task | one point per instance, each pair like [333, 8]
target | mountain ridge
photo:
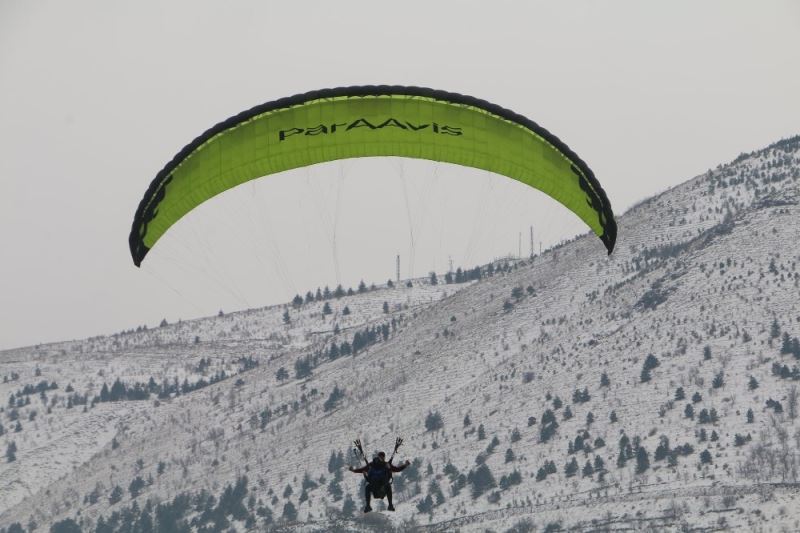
[695, 267]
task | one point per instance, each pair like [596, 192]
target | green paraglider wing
[368, 121]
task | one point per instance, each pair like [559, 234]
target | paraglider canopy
[350, 122]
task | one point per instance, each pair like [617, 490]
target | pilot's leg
[389, 496]
[368, 496]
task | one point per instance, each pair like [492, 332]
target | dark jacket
[378, 463]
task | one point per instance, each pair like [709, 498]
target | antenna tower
[532, 250]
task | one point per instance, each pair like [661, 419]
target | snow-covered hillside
[653, 389]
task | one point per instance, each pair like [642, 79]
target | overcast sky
[95, 97]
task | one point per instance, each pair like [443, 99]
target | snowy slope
[704, 279]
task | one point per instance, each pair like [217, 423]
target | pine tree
[493, 444]
[345, 348]
[775, 330]
[514, 478]
[571, 468]
[348, 507]
[434, 422]
[333, 351]
[71, 526]
[286, 318]
[705, 457]
[116, 495]
[333, 399]
[541, 474]
[333, 465]
[302, 367]
[662, 450]
[481, 480]
[289, 512]
[679, 394]
[11, 452]
[621, 458]
[136, 486]
[599, 464]
[650, 362]
[549, 425]
[425, 505]
[588, 469]
[786, 344]
[642, 460]
[752, 384]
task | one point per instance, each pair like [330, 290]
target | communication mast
[532, 250]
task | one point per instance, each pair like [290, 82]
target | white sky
[95, 97]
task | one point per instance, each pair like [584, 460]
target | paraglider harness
[378, 478]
